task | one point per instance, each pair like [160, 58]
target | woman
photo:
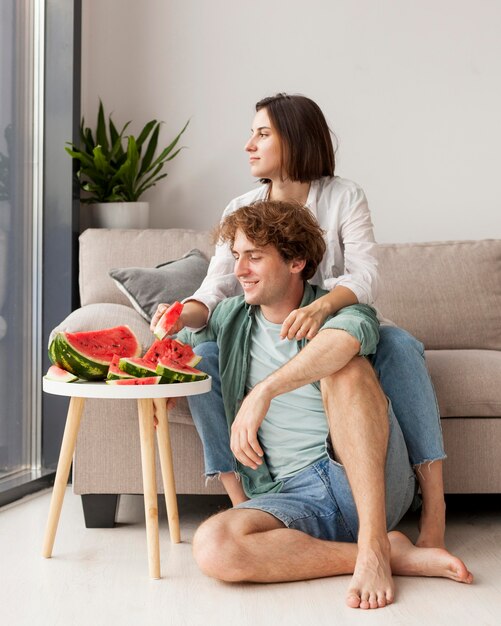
[291, 152]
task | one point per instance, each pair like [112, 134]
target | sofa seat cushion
[466, 382]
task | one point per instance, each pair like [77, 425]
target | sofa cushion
[146, 287]
[102, 249]
[466, 382]
[447, 294]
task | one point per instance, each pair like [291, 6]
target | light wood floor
[100, 577]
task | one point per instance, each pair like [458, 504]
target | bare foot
[432, 528]
[372, 585]
[409, 560]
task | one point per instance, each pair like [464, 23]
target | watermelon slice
[137, 368]
[88, 354]
[173, 350]
[149, 380]
[58, 374]
[167, 321]
[114, 372]
[172, 372]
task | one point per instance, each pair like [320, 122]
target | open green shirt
[230, 326]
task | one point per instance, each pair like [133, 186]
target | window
[21, 76]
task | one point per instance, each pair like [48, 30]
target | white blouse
[341, 209]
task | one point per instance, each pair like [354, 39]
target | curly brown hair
[290, 227]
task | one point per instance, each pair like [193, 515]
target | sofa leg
[100, 509]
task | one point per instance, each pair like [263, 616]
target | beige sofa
[448, 294]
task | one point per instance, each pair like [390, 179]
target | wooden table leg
[165, 453]
[63, 469]
[146, 433]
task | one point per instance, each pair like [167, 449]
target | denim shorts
[318, 500]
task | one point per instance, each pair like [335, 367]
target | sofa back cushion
[104, 249]
[447, 294]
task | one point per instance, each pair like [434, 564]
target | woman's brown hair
[288, 226]
[307, 148]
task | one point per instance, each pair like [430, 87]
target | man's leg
[401, 367]
[358, 419]
[253, 546]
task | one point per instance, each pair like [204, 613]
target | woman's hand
[305, 322]
[243, 440]
[161, 308]
[194, 315]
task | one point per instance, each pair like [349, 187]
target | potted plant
[116, 169]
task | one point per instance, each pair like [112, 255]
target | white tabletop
[85, 389]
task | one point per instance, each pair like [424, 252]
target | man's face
[264, 275]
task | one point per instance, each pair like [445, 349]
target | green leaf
[101, 136]
[150, 151]
[145, 132]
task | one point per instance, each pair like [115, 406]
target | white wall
[412, 90]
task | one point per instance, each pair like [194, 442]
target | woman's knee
[207, 349]
[394, 341]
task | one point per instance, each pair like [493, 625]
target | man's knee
[217, 551]
[351, 378]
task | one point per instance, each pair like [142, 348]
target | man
[317, 507]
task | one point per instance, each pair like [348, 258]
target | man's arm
[354, 331]
[326, 354]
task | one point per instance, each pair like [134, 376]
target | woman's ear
[297, 265]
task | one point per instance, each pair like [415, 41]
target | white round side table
[151, 400]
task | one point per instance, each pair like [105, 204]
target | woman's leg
[209, 417]
[399, 362]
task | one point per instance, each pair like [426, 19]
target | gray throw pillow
[175, 280]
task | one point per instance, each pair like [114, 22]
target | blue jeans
[400, 365]
[318, 500]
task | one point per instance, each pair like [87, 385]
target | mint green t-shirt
[295, 428]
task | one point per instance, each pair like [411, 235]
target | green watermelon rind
[131, 380]
[172, 374]
[128, 366]
[62, 354]
[62, 376]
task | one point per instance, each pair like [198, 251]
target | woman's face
[264, 148]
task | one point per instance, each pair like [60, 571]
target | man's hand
[244, 442]
[305, 322]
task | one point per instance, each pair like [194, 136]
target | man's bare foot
[432, 527]
[372, 585]
[409, 560]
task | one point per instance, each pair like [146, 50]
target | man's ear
[297, 265]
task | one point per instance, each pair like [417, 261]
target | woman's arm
[354, 234]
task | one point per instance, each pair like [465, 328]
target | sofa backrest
[103, 249]
[447, 294]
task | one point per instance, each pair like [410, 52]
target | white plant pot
[115, 215]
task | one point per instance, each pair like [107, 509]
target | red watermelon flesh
[167, 321]
[102, 345]
[114, 371]
[150, 380]
[171, 349]
[59, 375]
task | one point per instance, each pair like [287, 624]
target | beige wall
[412, 90]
